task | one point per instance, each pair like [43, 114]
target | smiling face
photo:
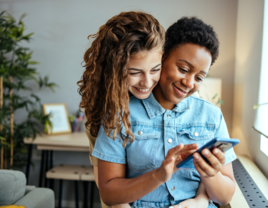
[144, 70]
[183, 71]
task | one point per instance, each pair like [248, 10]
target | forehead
[195, 54]
[145, 59]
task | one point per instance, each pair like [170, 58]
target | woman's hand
[174, 156]
[216, 159]
[192, 203]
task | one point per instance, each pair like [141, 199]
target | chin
[142, 97]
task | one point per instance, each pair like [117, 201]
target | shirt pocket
[196, 134]
[141, 153]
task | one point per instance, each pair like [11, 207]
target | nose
[146, 81]
[188, 82]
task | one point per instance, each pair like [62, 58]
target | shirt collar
[153, 108]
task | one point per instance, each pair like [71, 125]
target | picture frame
[59, 118]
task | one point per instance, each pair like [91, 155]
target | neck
[161, 98]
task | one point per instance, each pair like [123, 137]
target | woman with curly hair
[141, 170]
[123, 60]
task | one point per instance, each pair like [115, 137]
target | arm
[218, 179]
[115, 188]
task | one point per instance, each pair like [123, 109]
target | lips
[142, 90]
[180, 91]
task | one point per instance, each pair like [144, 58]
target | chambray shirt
[157, 130]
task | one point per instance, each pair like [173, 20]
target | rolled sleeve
[108, 149]
[222, 131]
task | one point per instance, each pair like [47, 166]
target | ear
[164, 57]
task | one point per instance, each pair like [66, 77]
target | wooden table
[48, 143]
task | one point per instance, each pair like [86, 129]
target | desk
[48, 143]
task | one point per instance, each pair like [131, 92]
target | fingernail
[196, 156]
[216, 151]
[205, 152]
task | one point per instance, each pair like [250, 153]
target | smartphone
[223, 144]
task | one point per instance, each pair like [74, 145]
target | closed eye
[135, 73]
[199, 79]
[156, 70]
[183, 70]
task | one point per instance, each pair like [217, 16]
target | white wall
[61, 28]
[247, 77]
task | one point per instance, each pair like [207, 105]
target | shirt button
[169, 140]
[139, 132]
[168, 115]
[196, 134]
[173, 188]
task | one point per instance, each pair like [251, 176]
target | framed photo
[59, 118]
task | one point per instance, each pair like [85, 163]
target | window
[262, 114]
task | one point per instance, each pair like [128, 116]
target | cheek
[196, 86]
[156, 77]
[132, 81]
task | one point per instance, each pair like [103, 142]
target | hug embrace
[143, 117]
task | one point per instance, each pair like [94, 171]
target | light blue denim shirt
[157, 130]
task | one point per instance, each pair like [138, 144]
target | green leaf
[2, 138]
[214, 96]
[33, 62]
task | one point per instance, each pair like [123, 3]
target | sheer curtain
[261, 122]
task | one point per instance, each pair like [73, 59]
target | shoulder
[205, 105]
[204, 110]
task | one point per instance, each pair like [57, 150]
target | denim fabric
[156, 130]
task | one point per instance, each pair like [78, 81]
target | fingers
[188, 147]
[175, 150]
[216, 160]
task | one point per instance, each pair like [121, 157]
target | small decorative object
[58, 118]
[77, 122]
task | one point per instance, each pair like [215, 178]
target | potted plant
[15, 71]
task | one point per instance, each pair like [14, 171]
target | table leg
[41, 169]
[51, 181]
[29, 159]
[92, 194]
[47, 163]
[85, 185]
[60, 193]
[76, 194]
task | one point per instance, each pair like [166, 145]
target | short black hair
[192, 30]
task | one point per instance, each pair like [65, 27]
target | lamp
[261, 121]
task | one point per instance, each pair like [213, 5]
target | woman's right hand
[174, 156]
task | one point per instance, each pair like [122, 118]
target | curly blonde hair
[103, 86]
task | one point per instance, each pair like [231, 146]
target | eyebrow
[141, 69]
[192, 65]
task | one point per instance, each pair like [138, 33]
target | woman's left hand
[216, 159]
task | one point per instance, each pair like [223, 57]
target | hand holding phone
[223, 144]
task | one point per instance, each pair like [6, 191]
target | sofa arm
[38, 198]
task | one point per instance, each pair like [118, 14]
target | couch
[13, 191]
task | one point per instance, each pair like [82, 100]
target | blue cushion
[12, 186]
